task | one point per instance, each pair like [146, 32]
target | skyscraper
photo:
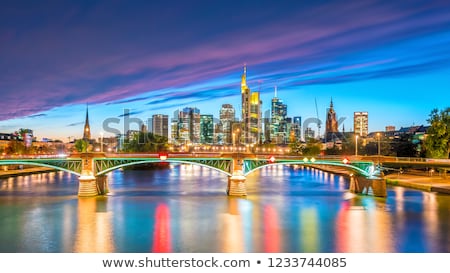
[227, 117]
[87, 128]
[361, 123]
[206, 129]
[278, 130]
[255, 118]
[251, 112]
[160, 125]
[189, 125]
[297, 127]
[245, 96]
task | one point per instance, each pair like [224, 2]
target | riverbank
[435, 183]
[26, 171]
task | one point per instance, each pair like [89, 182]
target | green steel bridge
[92, 167]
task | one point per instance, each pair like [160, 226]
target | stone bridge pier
[236, 182]
[89, 184]
[362, 185]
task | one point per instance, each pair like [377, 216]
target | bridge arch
[39, 164]
[115, 167]
[300, 162]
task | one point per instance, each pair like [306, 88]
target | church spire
[244, 79]
[87, 129]
[331, 103]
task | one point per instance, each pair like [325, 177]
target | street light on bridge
[356, 145]
[101, 141]
[378, 136]
[163, 156]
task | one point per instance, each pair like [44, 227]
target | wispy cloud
[94, 57]
[75, 124]
[37, 115]
[129, 113]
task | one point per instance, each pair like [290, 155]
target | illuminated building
[87, 129]
[309, 133]
[227, 117]
[206, 129]
[160, 125]
[331, 128]
[361, 123]
[390, 128]
[188, 125]
[297, 127]
[278, 126]
[251, 112]
[255, 118]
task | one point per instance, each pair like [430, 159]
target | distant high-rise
[206, 129]
[245, 99]
[255, 118]
[227, 117]
[160, 125]
[309, 133]
[189, 125]
[297, 127]
[278, 127]
[390, 128]
[87, 128]
[251, 112]
[361, 123]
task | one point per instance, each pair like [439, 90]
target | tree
[437, 141]
[312, 147]
[146, 142]
[15, 147]
[81, 145]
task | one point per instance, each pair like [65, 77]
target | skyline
[389, 59]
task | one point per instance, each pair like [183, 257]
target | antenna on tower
[318, 120]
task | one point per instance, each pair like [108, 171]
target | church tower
[87, 129]
[331, 123]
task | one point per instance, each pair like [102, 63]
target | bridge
[91, 168]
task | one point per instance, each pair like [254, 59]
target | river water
[184, 208]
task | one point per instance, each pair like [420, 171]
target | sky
[389, 58]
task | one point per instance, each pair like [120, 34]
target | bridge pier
[102, 184]
[360, 184]
[236, 185]
[87, 186]
[90, 185]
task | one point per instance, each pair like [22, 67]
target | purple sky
[390, 58]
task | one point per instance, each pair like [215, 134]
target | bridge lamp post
[101, 142]
[356, 145]
[379, 136]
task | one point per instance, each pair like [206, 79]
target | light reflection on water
[184, 208]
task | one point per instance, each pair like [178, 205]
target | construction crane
[318, 120]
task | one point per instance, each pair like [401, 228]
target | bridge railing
[33, 156]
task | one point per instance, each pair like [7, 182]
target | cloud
[37, 115]
[128, 113]
[75, 124]
[85, 54]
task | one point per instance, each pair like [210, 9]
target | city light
[163, 156]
